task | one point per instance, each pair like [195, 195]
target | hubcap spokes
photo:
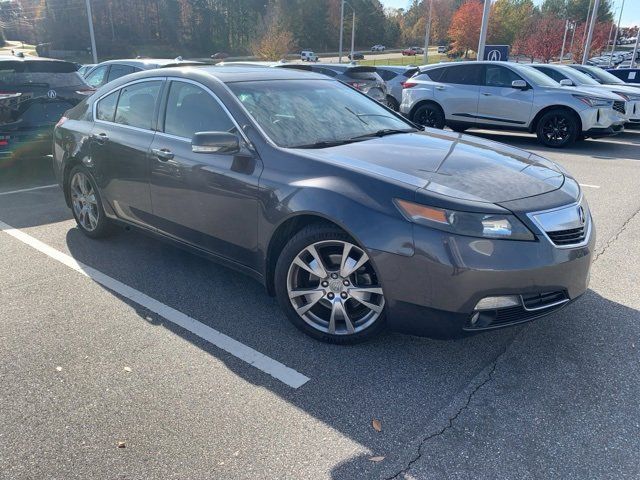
[83, 199]
[556, 130]
[333, 287]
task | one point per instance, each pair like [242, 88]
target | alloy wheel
[429, 117]
[84, 201]
[556, 130]
[333, 287]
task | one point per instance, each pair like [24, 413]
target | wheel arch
[422, 103]
[534, 124]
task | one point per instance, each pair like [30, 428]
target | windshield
[296, 113]
[535, 77]
[49, 73]
[602, 76]
[578, 77]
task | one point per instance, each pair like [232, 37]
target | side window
[499, 76]
[387, 74]
[118, 71]
[137, 104]
[191, 109]
[435, 74]
[463, 74]
[106, 108]
[96, 78]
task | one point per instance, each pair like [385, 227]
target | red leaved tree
[464, 30]
[599, 40]
[544, 41]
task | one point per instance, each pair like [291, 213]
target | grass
[404, 60]
[18, 47]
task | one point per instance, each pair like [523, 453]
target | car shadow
[22, 173]
[625, 145]
[405, 382]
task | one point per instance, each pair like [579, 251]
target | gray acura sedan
[350, 214]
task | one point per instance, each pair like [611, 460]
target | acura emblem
[581, 215]
[52, 94]
[494, 56]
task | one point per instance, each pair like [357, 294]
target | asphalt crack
[451, 420]
[614, 238]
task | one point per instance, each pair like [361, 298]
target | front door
[120, 141]
[206, 199]
[502, 104]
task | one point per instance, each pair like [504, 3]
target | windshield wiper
[327, 143]
[384, 132]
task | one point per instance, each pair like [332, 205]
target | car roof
[29, 58]
[247, 73]
[146, 63]
[396, 68]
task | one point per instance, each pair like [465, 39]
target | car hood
[590, 90]
[597, 89]
[451, 164]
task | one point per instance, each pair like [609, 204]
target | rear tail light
[61, 121]
[4, 140]
[86, 91]
[408, 84]
[358, 85]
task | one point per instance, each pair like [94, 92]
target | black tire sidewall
[573, 128]
[104, 227]
[436, 109]
[304, 238]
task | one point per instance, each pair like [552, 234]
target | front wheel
[429, 115]
[557, 128]
[86, 204]
[328, 287]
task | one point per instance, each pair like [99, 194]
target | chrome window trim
[215, 97]
[587, 224]
[94, 107]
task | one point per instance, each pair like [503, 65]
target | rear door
[457, 92]
[98, 76]
[122, 134]
[206, 199]
[500, 103]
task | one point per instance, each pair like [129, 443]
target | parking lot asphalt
[94, 384]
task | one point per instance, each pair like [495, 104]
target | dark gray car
[340, 207]
[102, 73]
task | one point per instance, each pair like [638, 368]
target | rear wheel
[392, 103]
[557, 128]
[86, 204]
[328, 287]
[429, 115]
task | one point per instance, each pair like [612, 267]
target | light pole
[91, 34]
[615, 37]
[483, 29]
[427, 32]
[635, 49]
[353, 27]
[564, 40]
[587, 45]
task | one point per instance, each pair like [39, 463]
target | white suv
[508, 96]
[308, 56]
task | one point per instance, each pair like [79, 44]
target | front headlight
[594, 101]
[629, 97]
[485, 225]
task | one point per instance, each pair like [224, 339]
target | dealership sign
[496, 53]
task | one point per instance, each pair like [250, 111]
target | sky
[630, 15]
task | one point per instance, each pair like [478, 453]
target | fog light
[492, 303]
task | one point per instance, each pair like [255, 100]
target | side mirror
[215, 142]
[565, 82]
[521, 84]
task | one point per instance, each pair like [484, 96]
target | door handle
[100, 138]
[439, 87]
[486, 94]
[163, 154]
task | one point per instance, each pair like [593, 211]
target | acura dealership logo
[494, 56]
[52, 94]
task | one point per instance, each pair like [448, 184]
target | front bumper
[598, 132]
[435, 292]
[603, 120]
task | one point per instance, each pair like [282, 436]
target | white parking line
[239, 350]
[28, 189]
[589, 186]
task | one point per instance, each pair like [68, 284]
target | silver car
[629, 102]
[394, 77]
[508, 96]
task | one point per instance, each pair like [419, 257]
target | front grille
[533, 306]
[619, 106]
[567, 237]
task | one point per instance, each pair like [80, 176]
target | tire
[353, 299]
[392, 103]
[86, 204]
[557, 128]
[429, 115]
[458, 128]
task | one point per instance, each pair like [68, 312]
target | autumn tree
[599, 41]
[545, 40]
[508, 19]
[464, 30]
